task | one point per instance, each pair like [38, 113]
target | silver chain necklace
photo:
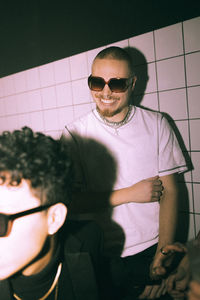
[116, 125]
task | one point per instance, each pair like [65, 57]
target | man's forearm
[168, 211]
[144, 191]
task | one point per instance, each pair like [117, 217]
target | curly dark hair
[41, 160]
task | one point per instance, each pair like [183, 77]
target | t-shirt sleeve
[71, 134]
[68, 129]
[171, 159]
[78, 128]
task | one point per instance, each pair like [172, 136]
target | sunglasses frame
[109, 82]
[9, 218]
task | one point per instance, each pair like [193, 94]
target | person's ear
[56, 217]
[134, 81]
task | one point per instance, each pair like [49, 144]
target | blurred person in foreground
[42, 255]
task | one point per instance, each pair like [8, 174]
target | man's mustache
[100, 96]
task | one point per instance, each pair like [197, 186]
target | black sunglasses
[7, 220]
[116, 85]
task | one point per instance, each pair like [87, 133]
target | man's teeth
[107, 101]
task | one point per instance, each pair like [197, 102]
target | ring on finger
[163, 251]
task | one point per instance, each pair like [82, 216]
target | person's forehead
[16, 198]
[108, 67]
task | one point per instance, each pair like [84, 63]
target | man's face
[112, 105]
[28, 233]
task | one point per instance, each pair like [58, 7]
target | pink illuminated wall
[50, 96]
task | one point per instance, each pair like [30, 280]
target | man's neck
[41, 261]
[118, 117]
[111, 122]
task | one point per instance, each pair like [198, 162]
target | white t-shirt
[144, 147]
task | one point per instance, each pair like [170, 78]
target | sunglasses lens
[118, 85]
[96, 83]
[3, 225]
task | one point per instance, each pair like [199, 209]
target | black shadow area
[95, 171]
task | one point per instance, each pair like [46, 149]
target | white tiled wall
[49, 96]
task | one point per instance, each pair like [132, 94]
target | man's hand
[163, 260]
[144, 191]
[158, 269]
[147, 190]
[177, 282]
[153, 291]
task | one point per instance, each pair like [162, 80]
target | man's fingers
[146, 293]
[156, 196]
[176, 247]
[170, 282]
[157, 182]
[153, 291]
[157, 187]
[154, 187]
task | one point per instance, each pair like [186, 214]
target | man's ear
[134, 81]
[56, 217]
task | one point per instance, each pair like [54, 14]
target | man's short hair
[41, 160]
[117, 53]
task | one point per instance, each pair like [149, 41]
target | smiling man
[148, 158]
[118, 82]
[42, 256]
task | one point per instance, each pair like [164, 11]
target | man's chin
[107, 113]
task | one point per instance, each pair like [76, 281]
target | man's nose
[106, 92]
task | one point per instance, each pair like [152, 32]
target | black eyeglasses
[7, 220]
[116, 85]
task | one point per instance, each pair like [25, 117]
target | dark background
[36, 32]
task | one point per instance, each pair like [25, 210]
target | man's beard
[109, 113]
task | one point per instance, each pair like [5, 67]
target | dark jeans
[129, 275]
